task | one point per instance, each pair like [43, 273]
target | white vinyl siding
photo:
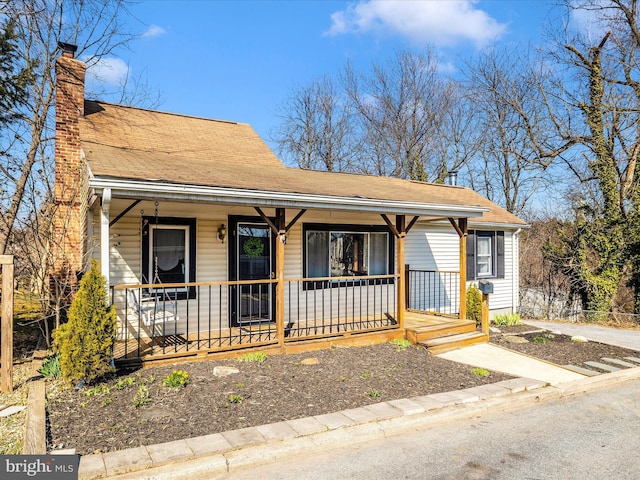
[437, 247]
[428, 246]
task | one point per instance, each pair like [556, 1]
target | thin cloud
[591, 22]
[442, 23]
[154, 31]
[111, 71]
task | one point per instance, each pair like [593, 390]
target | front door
[251, 259]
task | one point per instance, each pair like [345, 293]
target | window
[168, 253]
[347, 251]
[485, 254]
[484, 258]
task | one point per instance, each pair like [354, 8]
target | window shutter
[500, 254]
[471, 255]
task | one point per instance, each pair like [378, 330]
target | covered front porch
[156, 326]
[267, 294]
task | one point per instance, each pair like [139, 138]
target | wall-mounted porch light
[222, 232]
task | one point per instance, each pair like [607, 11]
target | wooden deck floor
[414, 319]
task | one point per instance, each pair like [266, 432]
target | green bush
[85, 343]
[474, 304]
[176, 379]
[51, 367]
[142, 397]
[253, 357]
[401, 344]
[507, 319]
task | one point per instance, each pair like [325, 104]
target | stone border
[226, 452]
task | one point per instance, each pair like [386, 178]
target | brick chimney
[71, 187]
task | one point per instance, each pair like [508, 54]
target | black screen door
[252, 257]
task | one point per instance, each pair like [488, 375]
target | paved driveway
[611, 336]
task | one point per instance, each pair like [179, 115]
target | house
[211, 245]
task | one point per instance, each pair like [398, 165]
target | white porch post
[104, 234]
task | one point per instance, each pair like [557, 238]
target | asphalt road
[589, 436]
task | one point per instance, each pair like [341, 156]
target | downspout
[104, 234]
[515, 282]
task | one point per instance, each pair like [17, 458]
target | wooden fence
[6, 343]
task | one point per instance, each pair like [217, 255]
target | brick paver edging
[224, 452]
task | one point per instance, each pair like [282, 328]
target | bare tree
[458, 137]
[316, 130]
[402, 107]
[519, 143]
[600, 88]
[15, 76]
[97, 28]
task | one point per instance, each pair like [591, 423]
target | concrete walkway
[498, 359]
[611, 336]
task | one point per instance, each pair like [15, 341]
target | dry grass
[25, 340]
[12, 428]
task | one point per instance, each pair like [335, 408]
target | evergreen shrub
[85, 343]
[474, 304]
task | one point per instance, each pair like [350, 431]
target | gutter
[515, 283]
[183, 192]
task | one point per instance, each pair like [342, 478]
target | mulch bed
[556, 348]
[280, 388]
[277, 389]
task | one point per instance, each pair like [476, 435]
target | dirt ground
[280, 388]
[135, 408]
[558, 349]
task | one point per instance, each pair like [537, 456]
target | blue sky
[238, 60]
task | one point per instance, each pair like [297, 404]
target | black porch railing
[433, 291]
[160, 320]
[330, 305]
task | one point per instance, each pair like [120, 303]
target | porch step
[451, 342]
[429, 332]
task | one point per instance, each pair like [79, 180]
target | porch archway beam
[399, 231]
[278, 229]
[268, 221]
[411, 224]
[457, 228]
[123, 213]
[391, 226]
[461, 227]
[104, 233]
[295, 219]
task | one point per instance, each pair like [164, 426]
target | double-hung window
[168, 254]
[347, 251]
[485, 254]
